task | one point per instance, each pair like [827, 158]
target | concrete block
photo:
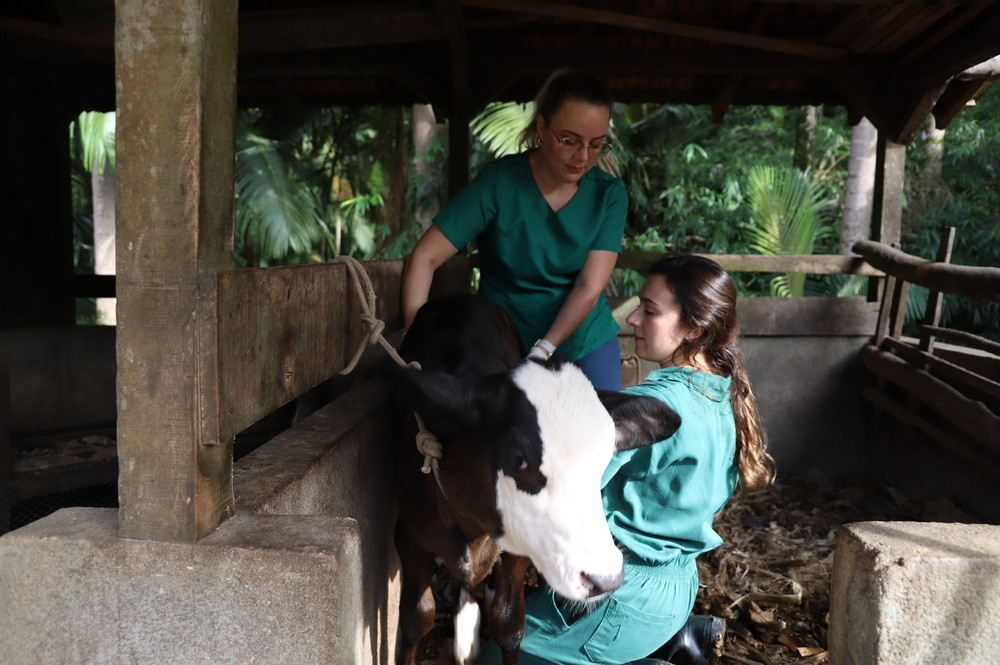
[262, 589]
[912, 593]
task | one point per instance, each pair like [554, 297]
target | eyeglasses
[570, 147]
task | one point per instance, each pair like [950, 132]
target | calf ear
[443, 400]
[639, 420]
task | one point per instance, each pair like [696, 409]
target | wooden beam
[942, 34]
[283, 331]
[298, 30]
[813, 264]
[956, 97]
[657, 63]
[460, 115]
[661, 26]
[968, 416]
[956, 373]
[176, 81]
[807, 317]
[932, 314]
[966, 338]
[957, 445]
[887, 209]
[976, 283]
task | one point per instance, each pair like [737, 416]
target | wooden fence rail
[952, 400]
[975, 283]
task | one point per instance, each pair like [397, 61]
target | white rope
[427, 443]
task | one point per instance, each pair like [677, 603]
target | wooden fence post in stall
[176, 80]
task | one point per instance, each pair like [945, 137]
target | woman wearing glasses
[549, 228]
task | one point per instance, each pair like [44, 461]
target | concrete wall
[809, 394]
[906, 593]
[304, 574]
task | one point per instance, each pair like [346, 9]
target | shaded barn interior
[203, 352]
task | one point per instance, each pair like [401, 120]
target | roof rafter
[660, 26]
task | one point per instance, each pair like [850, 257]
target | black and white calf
[524, 448]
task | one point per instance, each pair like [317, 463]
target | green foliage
[785, 210]
[312, 189]
[500, 124]
[96, 132]
[969, 200]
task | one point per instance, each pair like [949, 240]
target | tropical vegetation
[346, 181]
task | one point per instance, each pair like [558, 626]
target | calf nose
[601, 584]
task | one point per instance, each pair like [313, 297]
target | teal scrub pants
[638, 618]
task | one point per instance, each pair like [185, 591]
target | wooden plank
[176, 83]
[975, 283]
[953, 444]
[805, 317]
[887, 210]
[921, 358]
[932, 313]
[661, 26]
[882, 326]
[813, 264]
[967, 338]
[970, 417]
[282, 331]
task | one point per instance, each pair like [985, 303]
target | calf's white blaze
[562, 528]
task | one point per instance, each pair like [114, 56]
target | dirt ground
[770, 579]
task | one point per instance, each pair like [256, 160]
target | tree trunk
[858, 197]
[102, 182]
[933, 150]
[805, 138]
[425, 131]
[391, 214]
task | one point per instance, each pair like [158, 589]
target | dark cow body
[489, 429]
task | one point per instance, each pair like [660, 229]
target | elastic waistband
[679, 567]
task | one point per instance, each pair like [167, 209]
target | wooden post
[887, 212]
[932, 315]
[176, 81]
[887, 204]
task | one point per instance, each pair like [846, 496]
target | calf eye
[518, 463]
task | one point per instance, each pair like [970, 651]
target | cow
[524, 445]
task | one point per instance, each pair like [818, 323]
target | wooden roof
[893, 62]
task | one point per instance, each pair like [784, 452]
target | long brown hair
[706, 297]
[562, 85]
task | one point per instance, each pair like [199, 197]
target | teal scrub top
[660, 500]
[529, 255]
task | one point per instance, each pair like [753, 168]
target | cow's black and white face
[544, 436]
[549, 500]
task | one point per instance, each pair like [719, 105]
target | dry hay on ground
[770, 579]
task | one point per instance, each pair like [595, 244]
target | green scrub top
[529, 255]
[660, 500]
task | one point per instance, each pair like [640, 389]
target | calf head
[536, 441]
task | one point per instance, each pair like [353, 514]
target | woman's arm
[589, 284]
[432, 250]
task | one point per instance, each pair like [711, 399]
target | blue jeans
[603, 365]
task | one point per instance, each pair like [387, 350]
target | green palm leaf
[97, 137]
[276, 212]
[785, 219]
[500, 124]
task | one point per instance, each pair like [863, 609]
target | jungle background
[365, 182]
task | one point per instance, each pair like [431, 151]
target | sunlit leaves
[785, 219]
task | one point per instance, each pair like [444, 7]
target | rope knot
[375, 325]
[430, 448]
